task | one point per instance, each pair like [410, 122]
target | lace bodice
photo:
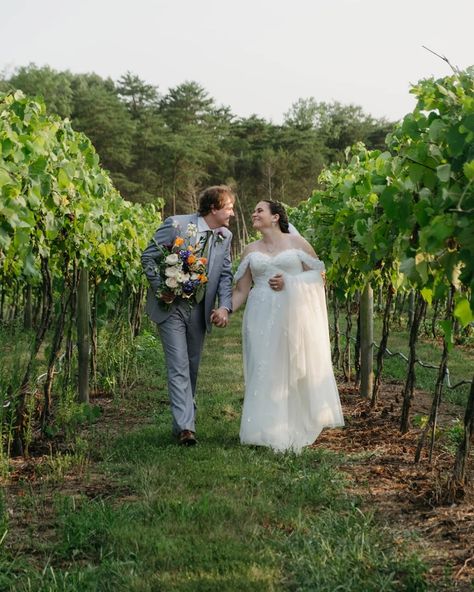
[264, 266]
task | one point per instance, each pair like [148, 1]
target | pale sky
[255, 56]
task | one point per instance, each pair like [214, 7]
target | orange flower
[178, 241]
[202, 278]
[203, 260]
[191, 259]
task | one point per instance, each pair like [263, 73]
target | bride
[290, 390]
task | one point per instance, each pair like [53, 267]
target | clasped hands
[220, 317]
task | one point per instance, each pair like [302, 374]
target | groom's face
[223, 215]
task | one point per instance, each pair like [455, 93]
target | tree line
[164, 148]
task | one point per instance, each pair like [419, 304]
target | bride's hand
[220, 317]
[277, 282]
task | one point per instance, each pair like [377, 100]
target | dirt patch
[406, 495]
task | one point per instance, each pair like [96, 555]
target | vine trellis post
[458, 478]
[83, 335]
[366, 341]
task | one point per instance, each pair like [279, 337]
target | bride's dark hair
[277, 208]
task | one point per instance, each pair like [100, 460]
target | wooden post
[83, 337]
[366, 341]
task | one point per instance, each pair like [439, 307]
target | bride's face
[262, 216]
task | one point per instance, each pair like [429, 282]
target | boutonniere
[219, 237]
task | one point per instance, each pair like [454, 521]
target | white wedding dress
[290, 390]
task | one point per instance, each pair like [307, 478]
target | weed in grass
[15, 347]
[3, 517]
[29, 501]
[71, 415]
[122, 358]
[4, 451]
[452, 435]
[58, 465]
[148, 348]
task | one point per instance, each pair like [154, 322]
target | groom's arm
[220, 316]
[165, 235]
[224, 289]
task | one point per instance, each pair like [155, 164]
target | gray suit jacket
[219, 282]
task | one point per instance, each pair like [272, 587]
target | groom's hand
[220, 317]
[277, 282]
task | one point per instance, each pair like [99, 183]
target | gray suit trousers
[182, 335]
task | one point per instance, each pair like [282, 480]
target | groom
[182, 326]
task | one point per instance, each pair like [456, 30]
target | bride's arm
[300, 243]
[277, 282]
[313, 268]
[242, 289]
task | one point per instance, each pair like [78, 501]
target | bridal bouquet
[182, 272]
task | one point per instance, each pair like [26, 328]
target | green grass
[460, 363]
[219, 516]
[429, 350]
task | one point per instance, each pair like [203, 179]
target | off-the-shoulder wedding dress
[290, 390]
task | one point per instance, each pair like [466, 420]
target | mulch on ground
[408, 496]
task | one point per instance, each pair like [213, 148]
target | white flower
[171, 282]
[191, 230]
[172, 271]
[175, 224]
[172, 259]
[182, 277]
[194, 276]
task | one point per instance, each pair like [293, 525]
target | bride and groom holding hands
[290, 390]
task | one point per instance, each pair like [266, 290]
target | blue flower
[188, 287]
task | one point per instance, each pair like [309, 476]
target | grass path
[216, 517]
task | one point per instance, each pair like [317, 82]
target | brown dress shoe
[187, 438]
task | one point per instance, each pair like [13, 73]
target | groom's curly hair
[277, 208]
[214, 197]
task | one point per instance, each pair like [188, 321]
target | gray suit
[182, 328]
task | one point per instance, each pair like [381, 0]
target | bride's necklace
[270, 248]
